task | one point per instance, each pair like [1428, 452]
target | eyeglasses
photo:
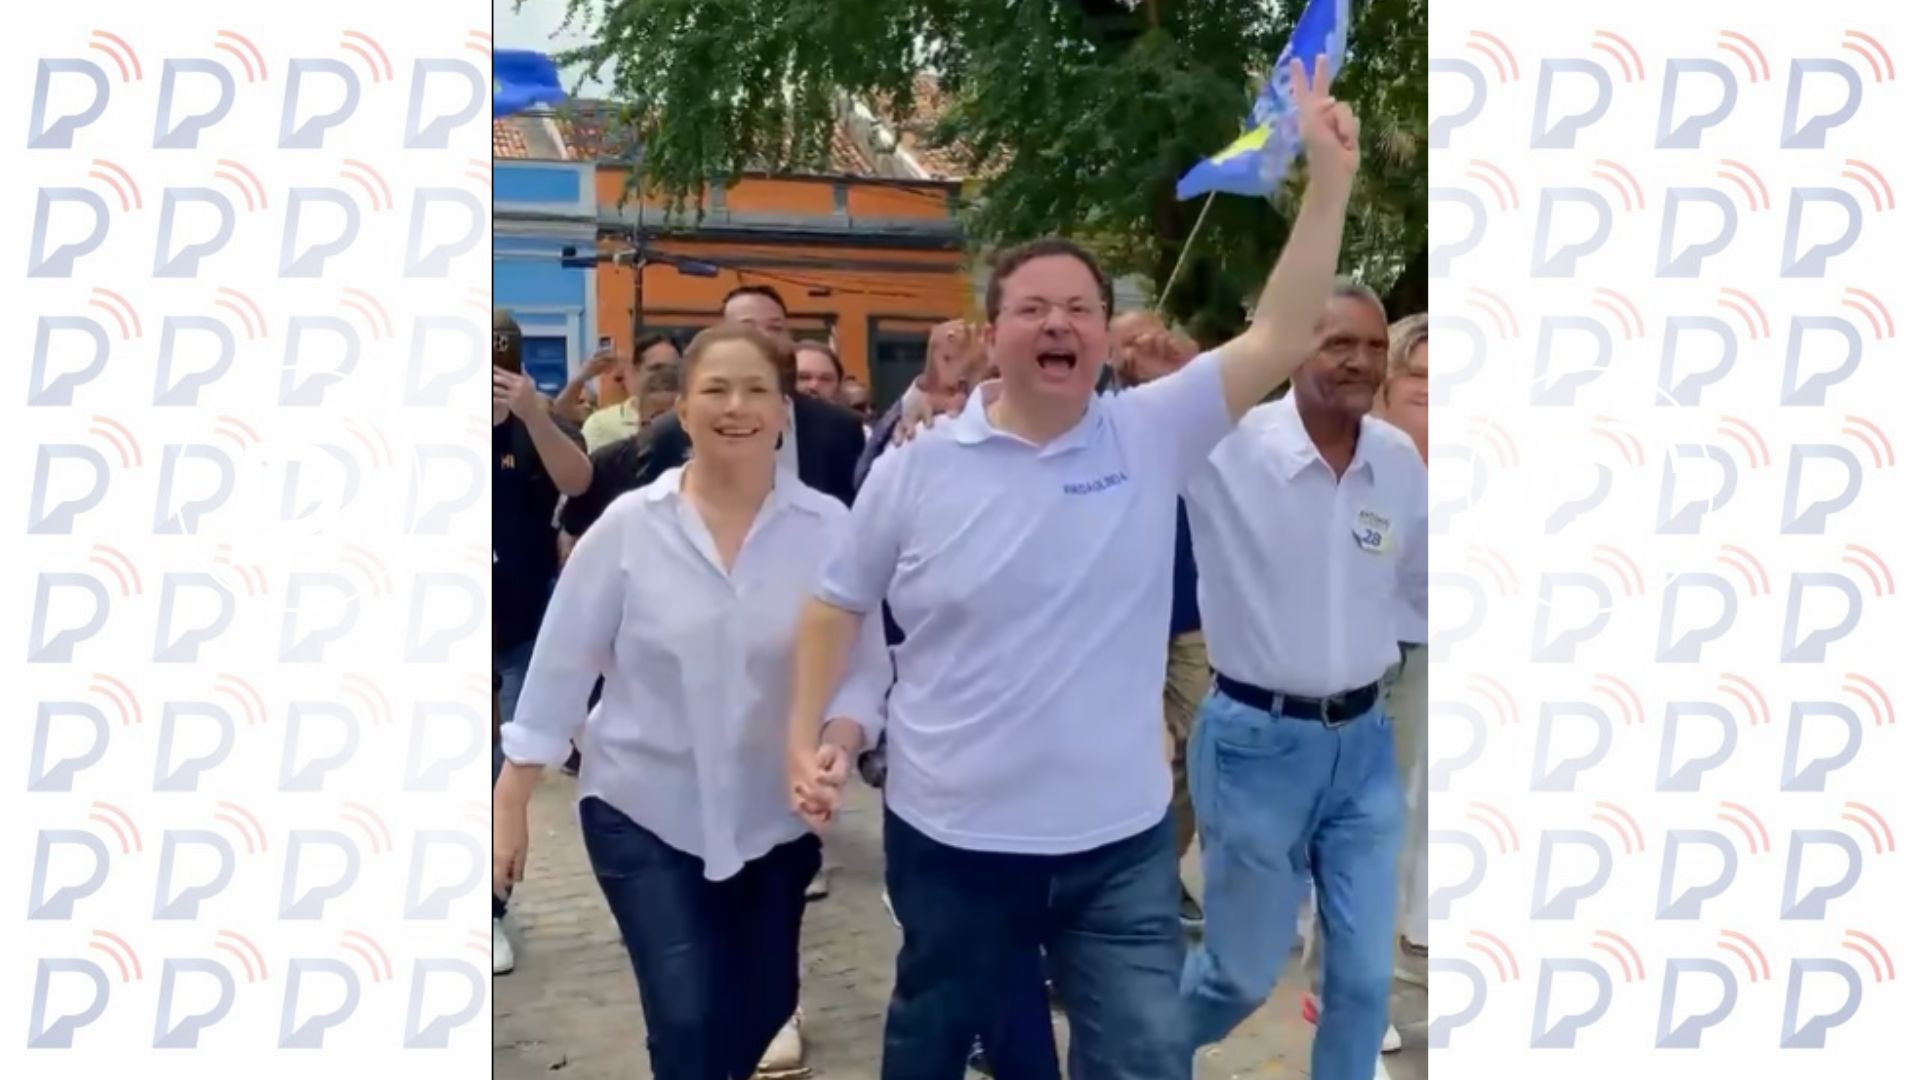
[1035, 312]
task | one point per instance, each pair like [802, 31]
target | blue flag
[1257, 161]
[522, 79]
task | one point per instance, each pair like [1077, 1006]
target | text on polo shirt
[1089, 487]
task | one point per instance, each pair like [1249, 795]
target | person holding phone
[535, 461]
[684, 596]
[622, 419]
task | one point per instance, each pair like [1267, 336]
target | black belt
[1332, 709]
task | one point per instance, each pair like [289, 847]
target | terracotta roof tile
[584, 129]
[588, 131]
[846, 158]
[949, 162]
[507, 140]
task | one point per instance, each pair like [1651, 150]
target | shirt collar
[1297, 451]
[972, 426]
[785, 486]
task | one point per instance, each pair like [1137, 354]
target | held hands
[1328, 128]
[817, 780]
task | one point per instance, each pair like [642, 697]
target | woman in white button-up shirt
[684, 596]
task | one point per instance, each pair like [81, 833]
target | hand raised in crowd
[918, 413]
[958, 362]
[1328, 128]
[1156, 354]
[516, 393]
[969, 345]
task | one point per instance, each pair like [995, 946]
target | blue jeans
[718, 962]
[1278, 799]
[511, 666]
[972, 922]
[1019, 1043]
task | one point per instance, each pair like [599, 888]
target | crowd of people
[1087, 595]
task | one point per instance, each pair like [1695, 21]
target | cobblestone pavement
[570, 1011]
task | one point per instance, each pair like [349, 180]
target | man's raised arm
[1281, 333]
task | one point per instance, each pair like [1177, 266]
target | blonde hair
[1403, 337]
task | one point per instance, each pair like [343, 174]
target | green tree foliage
[1080, 115]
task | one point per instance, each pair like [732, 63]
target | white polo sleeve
[575, 645]
[862, 695]
[863, 558]
[1180, 417]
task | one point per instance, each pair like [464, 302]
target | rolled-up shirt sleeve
[861, 562]
[574, 647]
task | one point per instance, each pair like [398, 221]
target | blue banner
[522, 79]
[1257, 161]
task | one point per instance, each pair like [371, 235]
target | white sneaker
[502, 949]
[1391, 1043]
[786, 1056]
[818, 888]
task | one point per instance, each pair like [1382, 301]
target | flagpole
[1181, 262]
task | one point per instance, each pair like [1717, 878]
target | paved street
[571, 1010]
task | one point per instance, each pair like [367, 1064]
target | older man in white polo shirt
[1023, 549]
[1310, 532]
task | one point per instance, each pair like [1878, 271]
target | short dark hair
[664, 380]
[1012, 259]
[767, 291]
[824, 349]
[648, 341]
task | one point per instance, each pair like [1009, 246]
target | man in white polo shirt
[1310, 532]
[1023, 548]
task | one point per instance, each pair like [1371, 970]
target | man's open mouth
[1058, 361]
[726, 432]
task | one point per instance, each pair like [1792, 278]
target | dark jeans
[1019, 1041]
[718, 962]
[1107, 919]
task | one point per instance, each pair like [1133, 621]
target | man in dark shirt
[535, 461]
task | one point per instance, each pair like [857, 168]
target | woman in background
[1403, 403]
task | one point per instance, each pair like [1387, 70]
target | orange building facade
[871, 264]
[866, 252]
